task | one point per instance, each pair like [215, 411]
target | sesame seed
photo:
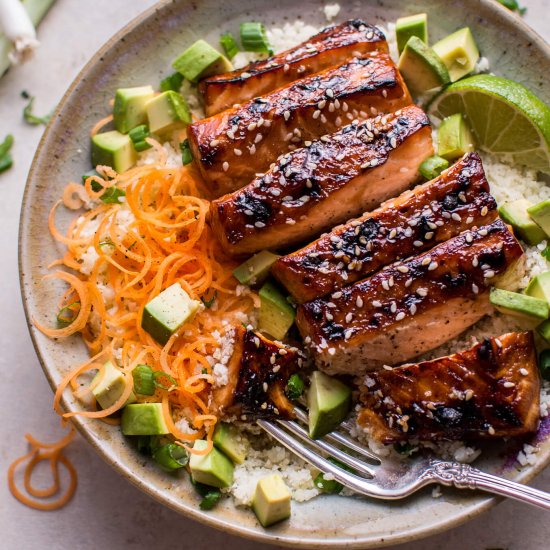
[426, 260]
[393, 307]
[475, 288]
[462, 196]
[429, 235]
[403, 268]
[475, 261]
[348, 333]
[489, 274]
[491, 430]
[422, 292]
[408, 283]
[418, 243]
[433, 266]
[322, 104]
[316, 114]
[385, 285]
[330, 92]
[286, 115]
[508, 384]
[237, 152]
[276, 368]
[329, 316]
[376, 303]
[392, 234]
[225, 166]
[359, 301]
[385, 93]
[387, 367]
[523, 371]
[264, 386]
[468, 394]
[469, 238]
[393, 141]
[257, 341]
[331, 351]
[446, 215]
[400, 316]
[498, 342]
[258, 138]
[259, 225]
[245, 75]
[349, 317]
[483, 232]
[252, 149]
[264, 405]
[337, 295]
[456, 217]
[286, 67]
[484, 211]
[413, 309]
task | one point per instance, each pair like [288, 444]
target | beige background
[107, 512]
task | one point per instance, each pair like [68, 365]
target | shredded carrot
[99, 125]
[52, 452]
[123, 255]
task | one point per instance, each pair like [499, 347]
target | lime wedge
[505, 117]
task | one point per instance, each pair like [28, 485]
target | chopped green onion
[95, 185]
[209, 303]
[513, 5]
[138, 136]
[210, 499]
[254, 38]
[158, 374]
[171, 457]
[147, 444]
[144, 380]
[6, 160]
[433, 166]
[172, 82]
[106, 243]
[544, 364]
[229, 45]
[330, 486]
[186, 154]
[112, 194]
[68, 314]
[33, 119]
[295, 386]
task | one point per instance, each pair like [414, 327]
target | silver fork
[386, 479]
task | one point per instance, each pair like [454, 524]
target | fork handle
[464, 476]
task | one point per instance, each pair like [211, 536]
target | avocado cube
[329, 402]
[421, 67]
[228, 439]
[143, 419]
[276, 314]
[109, 386]
[167, 111]
[519, 305]
[271, 500]
[201, 60]
[515, 213]
[459, 53]
[113, 149]
[165, 314]
[129, 107]
[213, 468]
[412, 25]
[540, 213]
[539, 286]
[256, 269]
[454, 138]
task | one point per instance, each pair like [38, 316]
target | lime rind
[506, 118]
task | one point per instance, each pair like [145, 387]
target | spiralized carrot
[53, 453]
[122, 256]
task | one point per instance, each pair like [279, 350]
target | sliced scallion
[172, 82]
[295, 386]
[112, 194]
[210, 495]
[330, 486]
[254, 38]
[33, 119]
[171, 456]
[68, 314]
[209, 303]
[229, 45]
[158, 375]
[138, 136]
[186, 154]
[6, 160]
[144, 380]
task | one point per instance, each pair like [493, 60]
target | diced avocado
[256, 269]
[129, 107]
[519, 305]
[539, 286]
[165, 314]
[421, 67]
[213, 468]
[459, 53]
[110, 386]
[143, 419]
[329, 402]
[201, 60]
[167, 111]
[515, 213]
[544, 330]
[454, 138]
[276, 314]
[271, 500]
[433, 166]
[113, 149]
[228, 439]
[541, 215]
[544, 364]
[412, 25]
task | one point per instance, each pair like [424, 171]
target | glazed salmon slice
[490, 390]
[323, 184]
[230, 148]
[412, 306]
[413, 222]
[258, 372]
[330, 47]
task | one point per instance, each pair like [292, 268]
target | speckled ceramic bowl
[140, 54]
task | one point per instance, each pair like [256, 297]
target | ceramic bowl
[141, 54]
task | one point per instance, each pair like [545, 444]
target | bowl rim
[194, 513]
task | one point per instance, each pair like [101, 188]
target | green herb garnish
[68, 314]
[295, 387]
[209, 303]
[33, 119]
[186, 154]
[254, 38]
[513, 5]
[229, 45]
[6, 160]
[172, 82]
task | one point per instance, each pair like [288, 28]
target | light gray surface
[107, 512]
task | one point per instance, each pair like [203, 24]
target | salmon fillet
[323, 184]
[410, 307]
[258, 372]
[230, 148]
[490, 390]
[330, 47]
[413, 222]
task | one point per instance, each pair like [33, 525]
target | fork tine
[322, 446]
[341, 439]
[352, 481]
